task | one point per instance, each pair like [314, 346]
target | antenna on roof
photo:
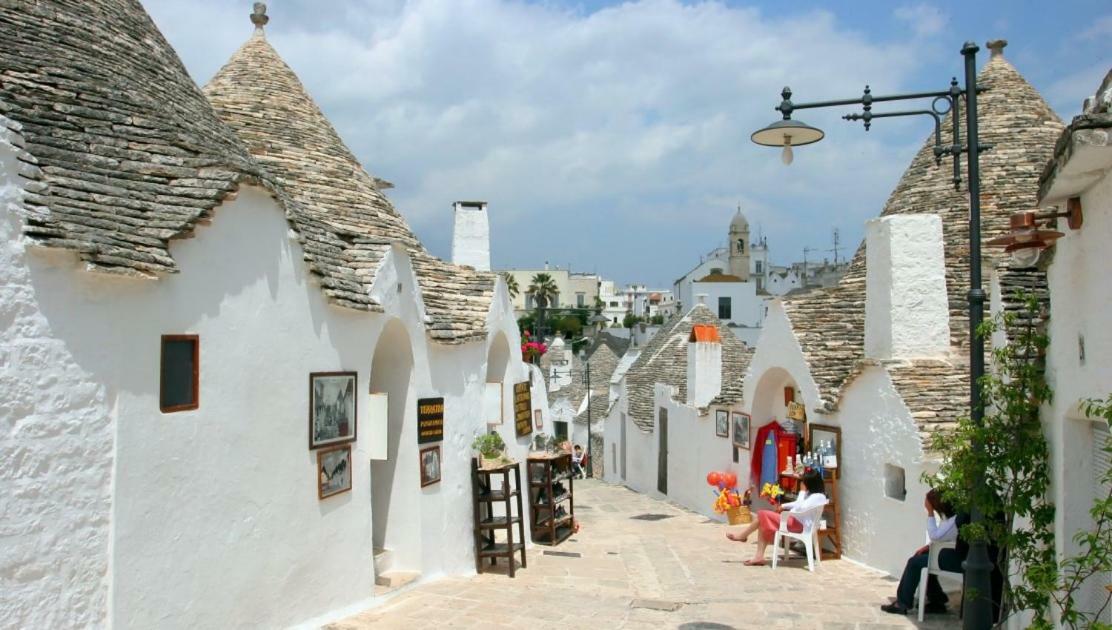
[258, 16]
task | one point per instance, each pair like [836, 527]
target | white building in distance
[731, 281]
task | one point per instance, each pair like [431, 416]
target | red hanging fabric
[757, 451]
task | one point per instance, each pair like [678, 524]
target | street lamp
[587, 379]
[976, 603]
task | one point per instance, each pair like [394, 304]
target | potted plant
[491, 451]
[540, 442]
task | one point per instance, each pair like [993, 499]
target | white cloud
[924, 19]
[623, 131]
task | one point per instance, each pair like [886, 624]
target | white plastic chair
[932, 568]
[809, 536]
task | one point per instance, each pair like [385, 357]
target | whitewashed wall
[877, 429]
[1081, 300]
[694, 449]
[777, 360]
[56, 441]
[746, 307]
[210, 518]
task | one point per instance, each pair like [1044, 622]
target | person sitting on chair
[577, 462]
[948, 559]
[768, 521]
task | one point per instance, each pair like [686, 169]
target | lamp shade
[784, 132]
[1025, 233]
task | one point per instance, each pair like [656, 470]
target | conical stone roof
[664, 360]
[121, 150]
[830, 323]
[261, 98]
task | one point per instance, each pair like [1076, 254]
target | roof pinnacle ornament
[996, 46]
[258, 16]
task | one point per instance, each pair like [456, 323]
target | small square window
[895, 486]
[180, 372]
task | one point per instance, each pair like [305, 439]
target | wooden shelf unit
[485, 496]
[544, 472]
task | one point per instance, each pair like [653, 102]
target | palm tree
[511, 284]
[544, 290]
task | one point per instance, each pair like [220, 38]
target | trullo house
[175, 264]
[883, 356]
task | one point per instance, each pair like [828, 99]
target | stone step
[394, 580]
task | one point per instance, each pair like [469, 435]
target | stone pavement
[675, 572]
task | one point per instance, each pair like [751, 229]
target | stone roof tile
[664, 360]
[121, 150]
[261, 98]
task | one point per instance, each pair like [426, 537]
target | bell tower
[739, 246]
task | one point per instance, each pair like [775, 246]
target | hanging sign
[430, 420]
[523, 409]
[796, 411]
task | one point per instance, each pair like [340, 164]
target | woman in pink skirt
[768, 521]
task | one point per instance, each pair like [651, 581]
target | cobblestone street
[621, 571]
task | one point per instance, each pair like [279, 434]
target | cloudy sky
[614, 136]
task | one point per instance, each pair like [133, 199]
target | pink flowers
[532, 350]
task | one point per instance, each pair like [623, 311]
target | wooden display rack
[544, 472]
[485, 496]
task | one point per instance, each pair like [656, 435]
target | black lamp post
[976, 600]
[587, 379]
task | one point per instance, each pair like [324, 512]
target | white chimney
[471, 236]
[704, 365]
[907, 312]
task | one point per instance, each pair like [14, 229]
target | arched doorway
[494, 396]
[394, 481]
[774, 390]
[769, 399]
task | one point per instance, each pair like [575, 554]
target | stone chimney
[471, 235]
[906, 307]
[704, 365]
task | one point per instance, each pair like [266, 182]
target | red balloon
[730, 479]
[713, 478]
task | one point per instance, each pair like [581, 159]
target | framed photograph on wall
[722, 423]
[430, 465]
[333, 471]
[332, 408]
[828, 439]
[741, 429]
[537, 422]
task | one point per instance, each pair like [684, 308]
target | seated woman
[768, 521]
[942, 529]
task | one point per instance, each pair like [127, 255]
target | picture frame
[333, 471]
[722, 423]
[430, 465]
[742, 423]
[822, 433]
[333, 408]
[537, 419]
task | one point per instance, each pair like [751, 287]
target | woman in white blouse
[768, 521]
[942, 526]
